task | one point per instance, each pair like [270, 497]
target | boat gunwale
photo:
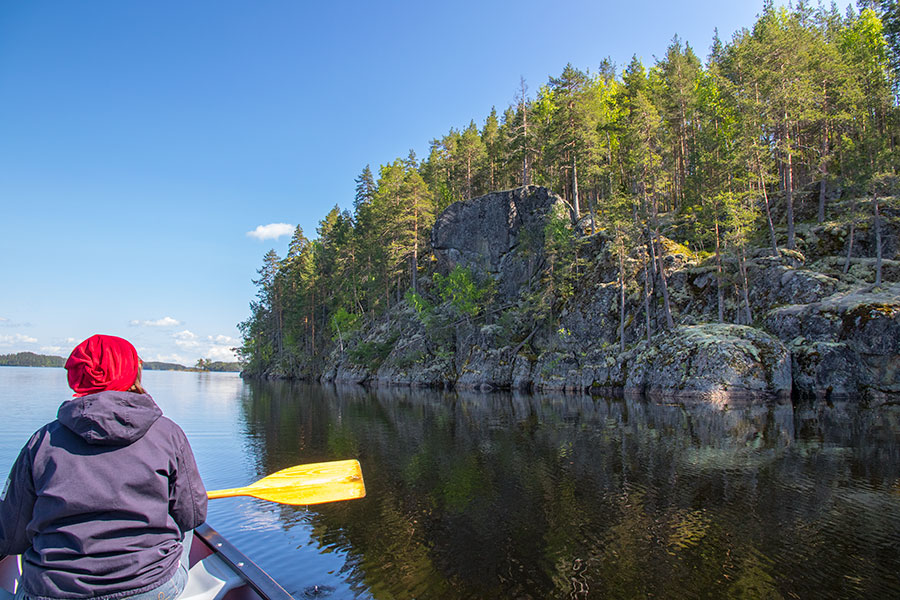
[254, 576]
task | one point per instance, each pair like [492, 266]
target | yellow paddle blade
[305, 484]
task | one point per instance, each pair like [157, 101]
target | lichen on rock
[712, 358]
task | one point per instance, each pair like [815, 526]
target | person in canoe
[99, 501]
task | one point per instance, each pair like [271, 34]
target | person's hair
[136, 387]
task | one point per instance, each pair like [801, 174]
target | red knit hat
[102, 362]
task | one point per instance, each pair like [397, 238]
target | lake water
[530, 496]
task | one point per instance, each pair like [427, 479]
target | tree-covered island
[30, 359]
[724, 225]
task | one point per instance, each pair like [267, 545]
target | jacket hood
[110, 418]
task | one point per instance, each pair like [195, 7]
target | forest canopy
[30, 359]
[805, 99]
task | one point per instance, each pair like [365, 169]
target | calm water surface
[517, 496]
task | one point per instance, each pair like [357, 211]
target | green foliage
[30, 359]
[409, 359]
[559, 248]
[343, 322]
[419, 303]
[218, 366]
[741, 213]
[163, 366]
[711, 154]
[213, 366]
[514, 325]
[463, 292]
[371, 354]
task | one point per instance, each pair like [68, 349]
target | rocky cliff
[812, 329]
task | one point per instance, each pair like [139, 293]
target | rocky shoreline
[816, 331]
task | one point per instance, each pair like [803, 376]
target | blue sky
[141, 142]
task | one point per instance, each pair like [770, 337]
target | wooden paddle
[305, 484]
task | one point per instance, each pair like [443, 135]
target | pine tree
[521, 137]
[467, 160]
[492, 141]
[680, 74]
[365, 188]
[573, 126]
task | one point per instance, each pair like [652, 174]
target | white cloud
[272, 231]
[187, 340]
[164, 322]
[7, 340]
[222, 353]
[216, 347]
[173, 358]
[222, 339]
[3, 319]
[190, 346]
[52, 349]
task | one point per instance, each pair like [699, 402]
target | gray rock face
[812, 331]
[712, 358]
[559, 372]
[500, 235]
[845, 342]
[823, 368]
[410, 363]
[595, 319]
[773, 283]
[486, 370]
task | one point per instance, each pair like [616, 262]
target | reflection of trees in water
[507, 495]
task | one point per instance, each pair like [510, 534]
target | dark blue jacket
[98, 500]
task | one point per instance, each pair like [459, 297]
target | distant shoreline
[30, 359]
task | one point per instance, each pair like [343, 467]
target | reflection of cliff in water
[533, 496]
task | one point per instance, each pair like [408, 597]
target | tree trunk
[762, 185]
[592, 208]
[789, 188]
[652, 253]
[849, 247]
[469, 175]
[645, 211]
[415, 248]
[720, 291]
[665, 288]
[370, 293]
[620, 247]
[355, 281]
[313, 322]
[647, 297]
[682, 175]
[877, 240]
[610, 161]
[772, 236]
[675, 173]
[524, 135]
[340, 337]
[662, 269]
[742, 264]
[575, 186]
[824, 170]
[820, 217]
[387, 289]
